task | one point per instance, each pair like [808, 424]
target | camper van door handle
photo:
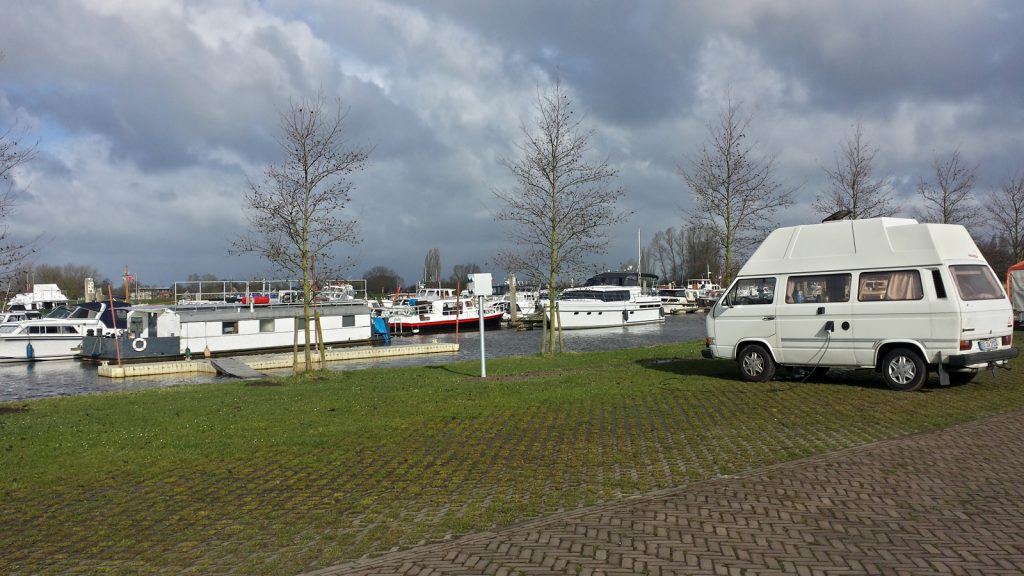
[768, 318]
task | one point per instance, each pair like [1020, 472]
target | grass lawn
[286, 475]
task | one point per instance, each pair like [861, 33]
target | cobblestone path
[946, 502]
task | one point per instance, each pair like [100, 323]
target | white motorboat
[610, 299]
[678, 300]
[59, 335]
[43, 297]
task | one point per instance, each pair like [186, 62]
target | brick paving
[945, 502]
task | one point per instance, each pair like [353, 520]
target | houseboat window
[976, 282]
[818, 288]
[229, 328]
[890, 286]
[751, 291]
[940, 287]
[69, 329]
[602, 295]
[348, 321]
[300, 323]
[267, 325]
[8, 329]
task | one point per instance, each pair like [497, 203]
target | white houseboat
[169, 332]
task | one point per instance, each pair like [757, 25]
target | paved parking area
[945, 502]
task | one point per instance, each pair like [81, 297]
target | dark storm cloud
[159, 113]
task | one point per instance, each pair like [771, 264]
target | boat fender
[30, 352]
[139, 345]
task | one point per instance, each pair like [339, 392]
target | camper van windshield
[751, 291]
[976, 282]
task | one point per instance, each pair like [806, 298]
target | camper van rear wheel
[756, 365]
[903, 369]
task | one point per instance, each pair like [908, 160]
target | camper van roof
[860, 244]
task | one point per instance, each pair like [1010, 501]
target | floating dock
[258, 363]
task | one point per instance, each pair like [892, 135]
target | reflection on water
[68, 377]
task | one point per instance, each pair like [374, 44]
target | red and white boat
[439, 315]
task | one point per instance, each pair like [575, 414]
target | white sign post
[480, 286]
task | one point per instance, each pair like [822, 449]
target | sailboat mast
[639, 255]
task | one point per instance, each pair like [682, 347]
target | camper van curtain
[904, 286]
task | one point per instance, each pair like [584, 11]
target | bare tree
[432, 266]
[666, 255]
[852, 185]
[563, 204]
[948, 200]
[295, 214]
[735, 194]
[1006, 208]
[381, 280]
[703, 254]
[70, 277]
[461, 272]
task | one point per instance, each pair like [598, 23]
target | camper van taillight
[1008, 340]
[965, 344]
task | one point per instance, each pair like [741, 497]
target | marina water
[19, 381]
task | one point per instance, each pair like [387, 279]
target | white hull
[200, 336]
[678, 307]
[577, 314]
[155, 332]
[16, 349]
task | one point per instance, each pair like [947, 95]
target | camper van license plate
[988, 344]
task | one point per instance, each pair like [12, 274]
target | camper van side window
[751, 291]
[976, 282]
[940, 287]
[819, 288]
[889, 286]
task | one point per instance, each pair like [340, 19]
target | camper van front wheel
[903, 369]
[756, 365]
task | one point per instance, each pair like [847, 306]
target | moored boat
[438, 315]
[42, 298]
[610, 299]
[170, 332]
[678, 300]
[59, 335]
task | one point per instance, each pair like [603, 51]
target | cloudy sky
[153, 115]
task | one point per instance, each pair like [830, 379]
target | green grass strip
[287, 475]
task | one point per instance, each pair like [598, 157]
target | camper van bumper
[707, 353]
[975, 358]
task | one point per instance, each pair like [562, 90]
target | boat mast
[639, 255]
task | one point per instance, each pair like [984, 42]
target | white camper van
[884, 293]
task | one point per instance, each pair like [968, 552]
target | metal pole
[483, 357]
